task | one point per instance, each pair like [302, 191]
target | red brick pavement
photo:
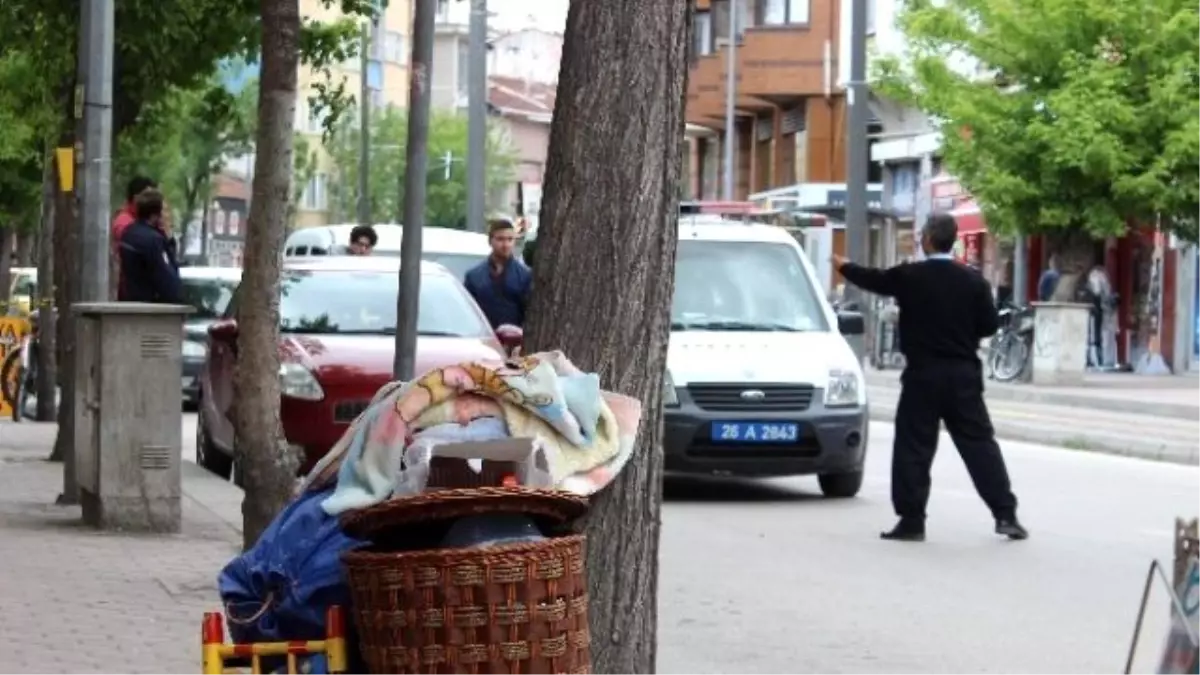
[74, 600]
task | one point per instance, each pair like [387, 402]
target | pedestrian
[123, 219]
[946, 309]
[501, 283]
[149, 271]
[1048, 283]
[363, 240]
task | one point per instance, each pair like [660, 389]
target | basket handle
[266, 605]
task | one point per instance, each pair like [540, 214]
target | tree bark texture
[7, 235]
[47, 353]
[268, 470]
[66, 234]
[26, 240]
[604, 277]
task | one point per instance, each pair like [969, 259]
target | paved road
[768, 577]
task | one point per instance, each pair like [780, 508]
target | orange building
[791, 114]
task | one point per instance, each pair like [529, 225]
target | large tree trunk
[7, 234]
[66, 235]
[268, 470]
[25, 247]
[605, 276]
[47, 383]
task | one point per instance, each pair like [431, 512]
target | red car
[336, 342]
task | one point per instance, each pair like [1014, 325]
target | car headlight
[670, 396]
[194, 350]
[296, 381]
[842, 390]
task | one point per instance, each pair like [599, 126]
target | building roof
[521, 98]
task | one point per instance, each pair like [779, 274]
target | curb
[219, 497]
[1030, 394]
[1137, 449]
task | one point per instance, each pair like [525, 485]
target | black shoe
[904, 531]
[1009, 527]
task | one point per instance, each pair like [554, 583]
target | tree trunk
[66, 233]
[267, 468]
[25, 247]
[47, 383]
[7, 234]
[608, 232]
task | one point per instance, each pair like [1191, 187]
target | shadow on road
[707, 489]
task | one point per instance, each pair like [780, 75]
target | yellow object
[12, 330]
[215, 651]
[66, 168]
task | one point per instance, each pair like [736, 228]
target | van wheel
[841, 485]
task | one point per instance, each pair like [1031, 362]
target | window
[720, 21]
[463, 73]
[314, 193]
[871, 17]
[743, 286]
[393, 47]
[208, 296]
[783, 12]
[316, 303]
[235, 223]
[702, 34]
[443, 10]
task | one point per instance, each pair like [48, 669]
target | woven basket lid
[555, 506]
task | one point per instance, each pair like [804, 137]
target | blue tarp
[280, 589]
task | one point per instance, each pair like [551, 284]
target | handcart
[221, 657]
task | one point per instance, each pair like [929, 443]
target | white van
[760, 380]
[457, 250]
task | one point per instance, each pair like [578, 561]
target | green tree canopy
[446, 204]
[1082, 115]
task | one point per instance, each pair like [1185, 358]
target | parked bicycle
[18, 375]
[1008, 352]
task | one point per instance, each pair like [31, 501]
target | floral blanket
[587, 434]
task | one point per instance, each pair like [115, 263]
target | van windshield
[743, 286]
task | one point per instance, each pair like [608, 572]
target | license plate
[187, 381]
[755, 432]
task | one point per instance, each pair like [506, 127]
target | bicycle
[1008, 352]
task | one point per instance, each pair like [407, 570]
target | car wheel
[208, 455]
[841, 485]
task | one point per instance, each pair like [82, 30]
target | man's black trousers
[950, 392]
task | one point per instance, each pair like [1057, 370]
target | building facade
[387, 78]
[790, 109]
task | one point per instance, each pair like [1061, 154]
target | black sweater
[945, 308]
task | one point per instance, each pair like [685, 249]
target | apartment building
[387, 77]
[790, 107]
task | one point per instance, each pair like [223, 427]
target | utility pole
[364, 126]
[730, 100]
[857, 225]
[416, 166]
[477, 115]
[1019, 282]
[95, 68]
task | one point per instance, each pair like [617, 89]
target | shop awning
[968, 217]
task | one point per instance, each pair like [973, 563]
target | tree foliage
[446, 198]
[1060, 115]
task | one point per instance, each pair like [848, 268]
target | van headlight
[842, 390]
[296, 381]
[194, 350]
[669, 396]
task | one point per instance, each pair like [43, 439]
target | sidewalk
[139, 607]
[1123, 414]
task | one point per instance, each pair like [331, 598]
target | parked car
[760, 380]
[22, 290]
[337, 341]
[208, 290]
[456, 250]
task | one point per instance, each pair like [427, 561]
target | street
[770, 577]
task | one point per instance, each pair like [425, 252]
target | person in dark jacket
[149, 271]
[501, 283]
[946, 309]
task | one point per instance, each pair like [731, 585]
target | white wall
[529, 54]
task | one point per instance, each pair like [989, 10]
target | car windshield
[364, 303]
[743, 286]
[25, 285]
[457, 263]
[209, 296]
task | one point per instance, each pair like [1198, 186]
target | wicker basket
[516, 608]
[406, 517]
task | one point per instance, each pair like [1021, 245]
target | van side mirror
[510, 337]
[851, 323]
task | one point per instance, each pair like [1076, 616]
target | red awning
[968, 217]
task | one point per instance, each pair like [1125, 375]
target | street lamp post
[730, 100]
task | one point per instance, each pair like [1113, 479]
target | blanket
[587, 434]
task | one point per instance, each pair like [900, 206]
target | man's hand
[838, 261]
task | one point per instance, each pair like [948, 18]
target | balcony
[787, 51]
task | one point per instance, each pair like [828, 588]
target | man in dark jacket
[149, 271]
[946, 309]
[501, 283]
